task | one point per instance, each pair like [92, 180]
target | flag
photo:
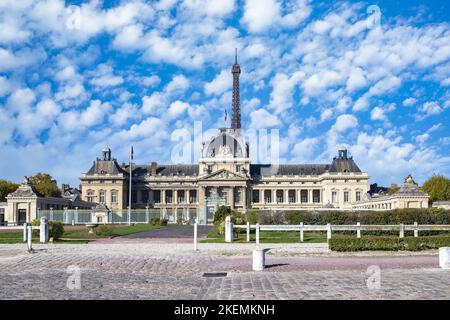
[225, 116]
[132, 153]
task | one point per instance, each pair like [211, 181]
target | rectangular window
[113, 196]
[304, 196]
[316, 196]
[238, 168]
[237, 196]
[280, 198]
[145, 196]
[157, 196]
[193, 196]
[345, 196]
[334, 196]
[180, 196]
[90, 196]
[291, 194]
[267, 196]
[133, 196]
[168, 196]
[358, 196]
[255, 196]
[101, 196]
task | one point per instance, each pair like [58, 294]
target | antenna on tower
[235, 55]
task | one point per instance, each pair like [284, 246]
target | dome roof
[225, 145]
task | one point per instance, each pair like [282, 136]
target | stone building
[224, 175]
[23, 204]
[408, 196]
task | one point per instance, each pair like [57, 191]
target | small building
[408, 196]
[23, 204]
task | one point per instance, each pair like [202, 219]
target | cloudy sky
[78, 75]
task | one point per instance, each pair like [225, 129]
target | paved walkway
[174, 271]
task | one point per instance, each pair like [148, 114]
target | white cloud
[104, 77]
[221, 83]
[261, 118]
[344, 122]
[304, 150]
[177, 108]
[259, 15]
[409, 102]
[281, 97]
[377, 114]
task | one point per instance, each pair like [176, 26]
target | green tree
[393, 190]
[438, 188]
[6, 187]
[45, 185]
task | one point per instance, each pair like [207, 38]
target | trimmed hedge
[388, 243]
[396, 216]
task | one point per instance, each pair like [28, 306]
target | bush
[396, 216]
[163, 222]
[103, 230]
[221, 214]
[388, 243]
[55, 229]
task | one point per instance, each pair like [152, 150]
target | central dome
[225, 145]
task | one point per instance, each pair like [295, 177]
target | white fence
[358, 228]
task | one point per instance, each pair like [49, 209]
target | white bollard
[248, 231]
[301, 232]
[259, 259]
[228, 229]
[402, 230]
[29, 238]
[328, 231]
[257, 235]
[43, 230]
[195, 236]
[416, 230]
[358, 230]
[444, 257]
[25, 225]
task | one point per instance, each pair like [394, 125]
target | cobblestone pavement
[174, 271]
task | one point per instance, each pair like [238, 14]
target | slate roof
[105, 167]
[165, 169]
[344, 165]
[288, 169]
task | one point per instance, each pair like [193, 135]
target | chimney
[153, 169]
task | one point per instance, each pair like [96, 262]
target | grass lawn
[79, 234]
[270, 237]
[117, 231]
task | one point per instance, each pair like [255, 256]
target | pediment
[224, 174]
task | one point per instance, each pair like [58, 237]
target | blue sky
[78, 75]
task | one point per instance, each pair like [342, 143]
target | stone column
[310, 193]
[163, 196]
[286, 196]
[175, 196]
[231, 197]
[244, 197]
[298, 194]
[261, 196]
[274, 195]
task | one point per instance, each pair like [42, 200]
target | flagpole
[129, 196]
